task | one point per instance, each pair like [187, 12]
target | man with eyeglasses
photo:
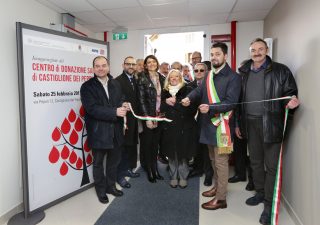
[202, 163]
[129, 151]
[217, 94]
[195, 58]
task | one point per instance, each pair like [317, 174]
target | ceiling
[107, 15]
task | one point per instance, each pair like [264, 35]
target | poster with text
[54, 66]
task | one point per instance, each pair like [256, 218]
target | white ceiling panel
[170, 10]
[92, 17]
[72, 5]
[170, 22]
[161, 2]
[250, 5]
[52, 6]
[248, 15]
[209, 19]
[105, 4]
[213, 6]
[126, 14]
[101, 15]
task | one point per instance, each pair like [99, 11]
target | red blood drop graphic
[73, 137]
[64, 169]
[54, 155]
[72, 116]
[73, 157]
[89, 159]
[65, 127]
[65, 152]
[78, 125]
[56, 134]
[82, 111]
[79, 163]
[85, 146]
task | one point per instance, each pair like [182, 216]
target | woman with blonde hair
[178, 137]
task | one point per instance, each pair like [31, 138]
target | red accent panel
[105, 36]
[233, 44]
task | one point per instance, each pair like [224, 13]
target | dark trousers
[150, 144]
[263, 158]
[242, 161]
[202, 160]
[128, 160]
[105, 179]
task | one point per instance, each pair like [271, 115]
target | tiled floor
[85, 209]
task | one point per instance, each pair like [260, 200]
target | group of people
[206, 113]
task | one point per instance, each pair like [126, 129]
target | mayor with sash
[217, 96]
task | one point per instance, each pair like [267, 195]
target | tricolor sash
[220, 120]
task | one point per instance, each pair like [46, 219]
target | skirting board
[290, 210]
[5, 217]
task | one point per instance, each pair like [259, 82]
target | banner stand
[31, 219]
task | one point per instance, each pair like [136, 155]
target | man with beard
[217, 94]
[129, 151]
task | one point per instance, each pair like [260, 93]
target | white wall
[30, 12]
[295, 27]
[134, 45]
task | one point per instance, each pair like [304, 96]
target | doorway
[173, 47]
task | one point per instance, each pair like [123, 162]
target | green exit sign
[120, 36]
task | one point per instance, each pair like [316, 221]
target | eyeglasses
[201, 70]
[130, 64]
[197, 57]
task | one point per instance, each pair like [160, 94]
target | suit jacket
[104, 128]
[130, 95]
[228, 85]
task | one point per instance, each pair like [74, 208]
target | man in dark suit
[129, 151]
[102, 99]
[202, 163]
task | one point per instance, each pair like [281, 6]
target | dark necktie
[131, 81]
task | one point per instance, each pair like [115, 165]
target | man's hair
[178, 64]
[99, 57]
[221, 45]
[259, 40]
[128, 57]
[202, 64]
[164, 64]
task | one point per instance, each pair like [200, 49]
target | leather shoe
[212, 192]
[103, 199]
[255, 200]
[124, 183]
[132, 174]
[265, 217]
[236, 179]
[195, 173]
[114, 191]
[250, 186]
[151, 178]
[207, 181]
[215, 204]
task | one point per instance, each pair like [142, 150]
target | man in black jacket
[102, 100]
[129, 151]
[262, 123]
[202, 163]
